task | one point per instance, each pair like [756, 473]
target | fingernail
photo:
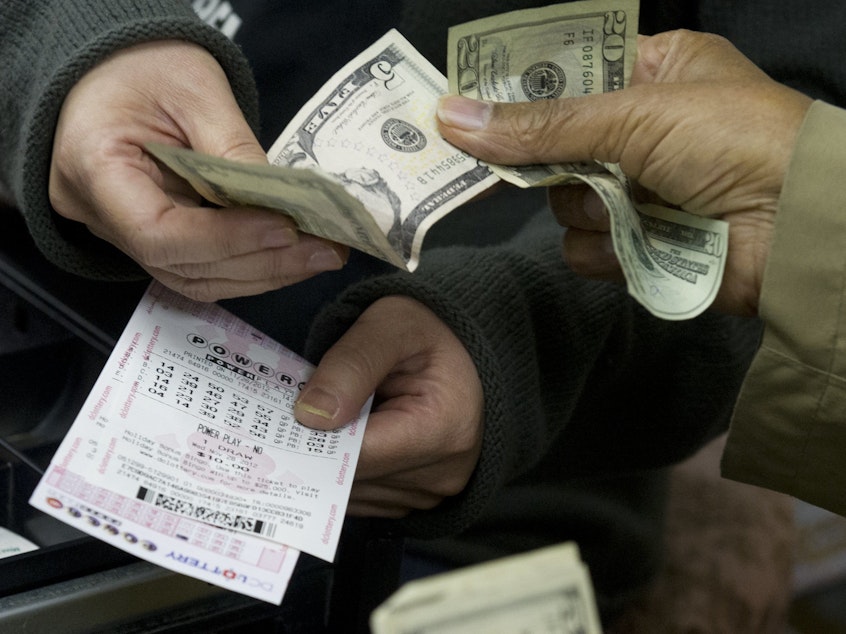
[324, 259]
[463, 113]
[318, 402]
[593, 206]
[284, 237]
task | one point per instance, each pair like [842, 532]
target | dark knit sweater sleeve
[45, 47]
[560, 359]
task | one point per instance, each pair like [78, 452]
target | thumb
[227, 134]
[600, 126]
[210, 116]
[348, 374]
[548, 131]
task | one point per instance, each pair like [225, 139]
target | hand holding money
[574, 50]
[378, 175]
[101, 177]
[361, 164]
[721, 150]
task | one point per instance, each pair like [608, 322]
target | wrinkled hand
[700, 127]
[424, 434]
[176, 93]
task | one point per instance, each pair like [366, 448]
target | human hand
[700, 127]
[424, 434]
[172, 92]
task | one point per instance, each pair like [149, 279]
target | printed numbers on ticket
[192, 416]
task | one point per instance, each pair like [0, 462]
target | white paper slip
[13, 544]
[193, 416]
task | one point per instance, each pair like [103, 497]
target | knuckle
[532, 128]
[450, 485]
[145, 247]
[428, 503]
[575, 256]
[199, 290]
[244, 149]
[348, 359]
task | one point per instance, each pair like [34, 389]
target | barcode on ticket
[207, 514]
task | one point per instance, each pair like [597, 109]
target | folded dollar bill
[362, 163]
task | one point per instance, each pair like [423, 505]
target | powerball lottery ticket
[186, 452]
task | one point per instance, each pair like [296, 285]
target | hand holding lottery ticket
[424, 437]
[186, 452]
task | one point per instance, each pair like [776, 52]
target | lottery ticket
[187, 453]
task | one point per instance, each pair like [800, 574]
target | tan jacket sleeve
[788, 432]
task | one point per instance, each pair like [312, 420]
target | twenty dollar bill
[673, 261]
[563, 50]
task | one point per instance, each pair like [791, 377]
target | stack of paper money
[547, 591]
[363, 163]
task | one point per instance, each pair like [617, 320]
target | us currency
[318, 203]
[562, 50]
[581, 48]
[373, 127]
[673, 261]
[547, 591]
[362, 163]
